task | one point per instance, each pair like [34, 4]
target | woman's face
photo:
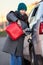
[22, 12]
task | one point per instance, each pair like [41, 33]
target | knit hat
[22, 6]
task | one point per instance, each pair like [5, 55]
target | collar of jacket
[21, 17]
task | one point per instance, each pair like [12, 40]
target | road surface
[4, 57]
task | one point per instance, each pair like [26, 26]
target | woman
[15, 48]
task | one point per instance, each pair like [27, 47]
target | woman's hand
[27, 31]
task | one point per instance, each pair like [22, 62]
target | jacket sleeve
[23, 25]
[25, 28]
[11, 17]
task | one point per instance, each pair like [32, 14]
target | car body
[35, 18]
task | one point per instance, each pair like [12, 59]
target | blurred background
[8, 5]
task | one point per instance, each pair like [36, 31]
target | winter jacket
[15, 47]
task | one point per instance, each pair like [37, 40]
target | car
[36, 25]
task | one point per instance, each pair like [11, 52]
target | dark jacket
[15, 47]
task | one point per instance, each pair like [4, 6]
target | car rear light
[41, 28]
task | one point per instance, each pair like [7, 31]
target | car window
[34, 12]
[33, 16]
